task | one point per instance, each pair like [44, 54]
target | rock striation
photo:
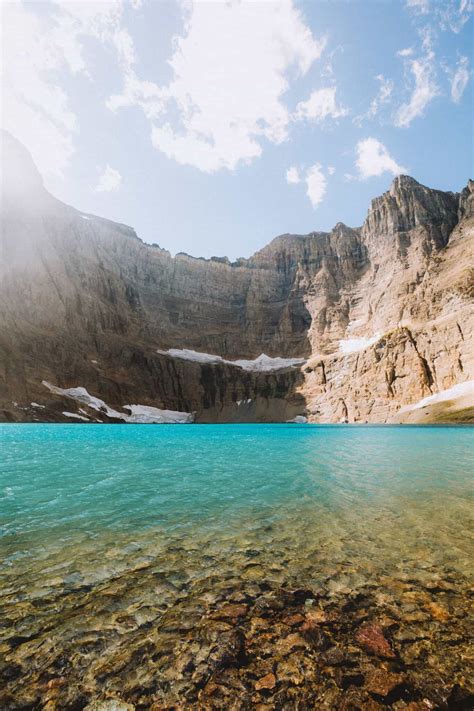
[381, 315]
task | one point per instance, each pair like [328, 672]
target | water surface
[134, 521]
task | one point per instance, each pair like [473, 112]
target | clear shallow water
[65, 485]
[119, 544]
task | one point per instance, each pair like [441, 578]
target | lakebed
[235, 566]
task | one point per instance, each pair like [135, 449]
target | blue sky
[211, 127]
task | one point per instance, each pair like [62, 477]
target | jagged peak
[466, 201]
[401, 185]
[341, 227]
[403, 181]
[408, 204]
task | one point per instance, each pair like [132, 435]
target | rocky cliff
[408, 318]
[357, 324]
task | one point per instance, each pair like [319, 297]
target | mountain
[358, 324]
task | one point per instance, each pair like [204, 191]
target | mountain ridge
[106, 307]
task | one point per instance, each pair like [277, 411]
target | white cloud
[454, 14]
[35, 109]
[373, 159]
[230, 74]
[383, 96]
[110, 181]
[421, 7]
[385, 92]
[424, 90]
[314, 179]
[448, 14]
[293, 176]
[37, 48]
[315, 184]
[436, 16]
[146, 95]
[460, 79]
[428, 36]
[320, 105]
[331, 169]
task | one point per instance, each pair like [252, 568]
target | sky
[212, 127]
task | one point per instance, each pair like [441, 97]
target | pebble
[295, 620]
[371, 638]
[266, 682]
[290, 643]
[438, 612]
[230, 611]
[382, 682]
[109, 705]
[316, 616]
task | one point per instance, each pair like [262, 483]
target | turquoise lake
[125, 550]
[73, 485]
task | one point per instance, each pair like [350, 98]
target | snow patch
[80, 394]
[84, 217]
[35, 404]
[146, 414]
[138, 413]
[75, 416]
[457, 391]
[299, 420]
[266, 363]
[196, 356]
[353, 325]
[352, 345]
[263, 363]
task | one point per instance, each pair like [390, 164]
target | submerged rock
[231, 611]
[175, 634]
[382, 682]
[266, 682]
[371, 638]
[109, 705]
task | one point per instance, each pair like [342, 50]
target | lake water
[101, 524]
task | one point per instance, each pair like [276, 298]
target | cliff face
[409, 316]
[381, 314]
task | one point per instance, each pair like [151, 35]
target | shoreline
[247, 424]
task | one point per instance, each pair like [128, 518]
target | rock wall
[84, 302]
[414, 299]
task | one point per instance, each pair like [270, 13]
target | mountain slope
[85, 303]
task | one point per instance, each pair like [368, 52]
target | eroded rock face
[466, 201]
[411, 309]
[85, 303]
